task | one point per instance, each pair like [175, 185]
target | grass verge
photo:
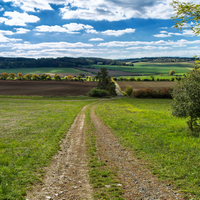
[29, 137]
[102, 178]
[147, 127]
[47, 97]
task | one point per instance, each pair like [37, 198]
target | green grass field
[148, 68]
[147, 127]
[41, 70]
[29, 137]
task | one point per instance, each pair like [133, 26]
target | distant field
[148, 68]
[46, 88]
[136, 85]
[51, 71]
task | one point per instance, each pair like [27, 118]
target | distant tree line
[64, 62]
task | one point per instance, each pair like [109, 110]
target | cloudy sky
[92, 28]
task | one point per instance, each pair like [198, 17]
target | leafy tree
[186, 96]
[12, 76]
[69, 77]
[28, 77]
[172, 72]
[105, 82]
[20, 75]
[186, 13]
[57, 77]
[79, 77]
[4, 76]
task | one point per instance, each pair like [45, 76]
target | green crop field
[148, 68]
[41, 70]
[29, 137]
[147, 127]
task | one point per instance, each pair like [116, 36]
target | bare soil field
[136, 85]
[46, 88]
[113, 73]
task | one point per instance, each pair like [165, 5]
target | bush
[186, 99]
[138, 79]
[35, 77]
[172, 79]
[132, 79]
[172, 72]
[129, 91]
[69, 77]
[4, 76]
[57, 77]
[12, 76]
[98, 93]
[20, 76]
[153, 93]
[28, 77]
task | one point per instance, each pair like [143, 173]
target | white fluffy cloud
[18, 19]
[21, 30]
[118, 32]
[188, 33]
[178, 43]
[71, 28]
[96, 39]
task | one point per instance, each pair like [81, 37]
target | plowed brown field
[46, 88]
[136, 85]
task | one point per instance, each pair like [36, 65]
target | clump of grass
[99, 173]
[147, 127]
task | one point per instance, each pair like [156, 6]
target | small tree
[4, 76]
[89, 78]
[69, 77]
[172, 72]
[36, 77]
[79, 77]
[129, 91]
[186, 96]
[12, 76]
[20, 75]
[57, 77]
[28, 77]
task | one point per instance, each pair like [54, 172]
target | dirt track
[46, 88]
[67, 177]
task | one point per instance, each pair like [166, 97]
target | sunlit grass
[29, 137]
[147, 127]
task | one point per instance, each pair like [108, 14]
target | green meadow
[41, 70]
[30, 134]
[147, 127]
[148, 68]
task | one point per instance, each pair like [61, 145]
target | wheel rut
[67, 177]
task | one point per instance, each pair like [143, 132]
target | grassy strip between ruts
[147, 127]
[29, 137]
[100, 175]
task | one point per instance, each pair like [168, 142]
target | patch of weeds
[103, 180]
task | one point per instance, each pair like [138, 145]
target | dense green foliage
[147, 127]
[29, 137]
[98, 93]
[164, 93]
[186, 97]
[186, 16]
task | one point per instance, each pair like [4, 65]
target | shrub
[48, 77]
[129, 91]
[89, 78]
[65, 78]
[172, 79]
[158, 79]
[20, 76]
[132, 79]
[12, 76]
[57, 77]
[98, 93]
[28, 77]
[172, 72]
[69, 77]
[138, 79]
[35, 77]
[4, 75]
[186, 99]
[153, 93]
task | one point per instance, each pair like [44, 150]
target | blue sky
[113, 29]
